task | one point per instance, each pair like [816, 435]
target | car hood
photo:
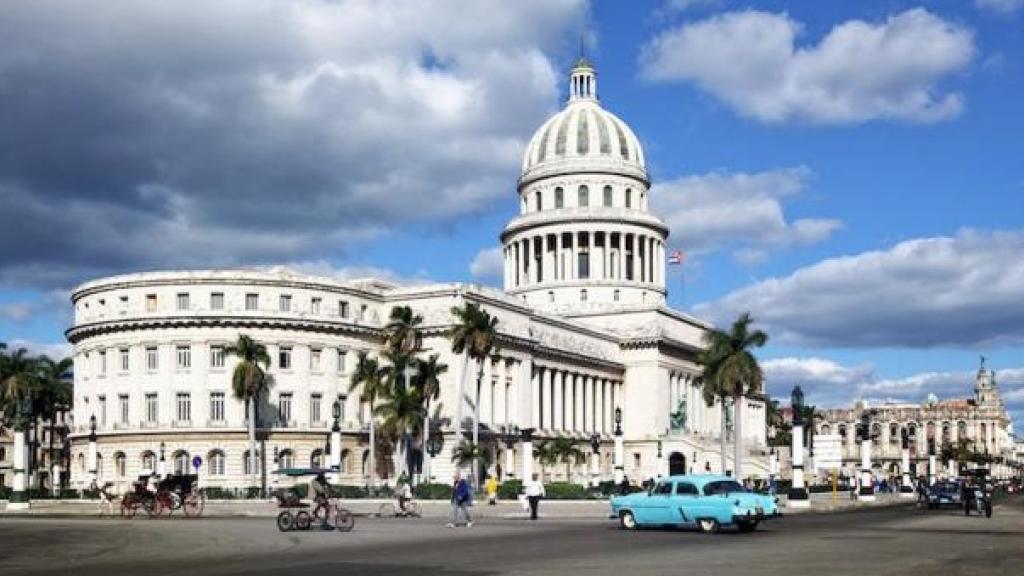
[628, 498]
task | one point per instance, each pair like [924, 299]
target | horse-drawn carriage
[171, 493]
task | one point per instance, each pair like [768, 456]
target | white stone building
[584, 329]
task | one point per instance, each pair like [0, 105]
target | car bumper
[736, 518]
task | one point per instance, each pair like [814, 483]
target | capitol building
[584, 331]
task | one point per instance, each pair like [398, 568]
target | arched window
[182, 463]
[148, 462]
[607, 195]
[629, 198]
[286, 459]
[894, 433]
[537, 197]
[912, 430]
[615, 295]
[551, 295]
[961, 429]
[826, 429]
[842, 433]
[81, 463]
[119, 464]
[99, 465]
[216, 462]
[876, 430]
[584, 199]
[583, 295]
[559, 198]
[247, 463]
[316, 459]
[343, 465]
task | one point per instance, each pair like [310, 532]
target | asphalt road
[902, 541]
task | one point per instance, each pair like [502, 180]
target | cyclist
[404, 493]
[318, 490]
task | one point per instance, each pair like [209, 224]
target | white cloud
[964, 290]
[17, 311]
[859, 71]
[740, 210]
[488, 264]
[826, 383]
[55, 350]
[1000, 6]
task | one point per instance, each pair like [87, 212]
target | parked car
[705, 501]
[945, 493]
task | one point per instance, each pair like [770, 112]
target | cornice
[82, 331]
[577, 216]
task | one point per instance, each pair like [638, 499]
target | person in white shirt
[534, 492]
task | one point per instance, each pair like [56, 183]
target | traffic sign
[828, 451]
[197, 461]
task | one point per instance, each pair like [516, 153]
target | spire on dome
[582, 78]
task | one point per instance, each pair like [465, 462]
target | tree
[19, 380]
[372, 378]
[249, 382]
[402, 332]
[564, 449]
[732, 371]
[546, 456]
[402, 411]
[475, 334]
[470, 454]
[428, 381]
[54, 397]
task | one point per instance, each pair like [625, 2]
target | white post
[92, 460]
[526, 450]
[798, 497]
[620, 457]
[55, 478]
[867, 485]
[932, 469]
[595, 468]
[335, 463]
[906, 489]
[951, 468]
[19, 497]
[510, 462]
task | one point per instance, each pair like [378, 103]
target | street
[895, 540]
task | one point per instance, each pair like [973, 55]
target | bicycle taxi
[296, 514]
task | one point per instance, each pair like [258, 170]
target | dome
[583, 136]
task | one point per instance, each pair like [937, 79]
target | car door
[685, 503]
[659, 503]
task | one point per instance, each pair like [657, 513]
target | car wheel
[747, 525]
[627, 521]
[708, 525]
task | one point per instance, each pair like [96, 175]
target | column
[579, 410]
[585, 416]
[19, 496]
[592, 386]
[545, 398]
[535, 388]
[500, 394]
[604, 406]
[867, 486]
[573, 251]
[558, 272]
[558, 386]
[484, 400]
[526, 454]
[523, 259]
[798, 497]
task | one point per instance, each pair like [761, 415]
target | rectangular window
[284, 358]
[150, 302]
[584, 265]
[284, 408]
[216, 406]
[184, 404]
[314, 359]
[285, 303]
[343, 309]
[314, 306]
[607, 196]
[252, 301]
[217, 301]
[184, 356]
[103, 410]
[183, 301]
[151, 358]
[341, 360]
[216, 356]
[124, 359]
[151, 408]
[122, 401]
[362, 312]
[103, 361]
[314, 407]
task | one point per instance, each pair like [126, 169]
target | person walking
[534, 492]
[461, 497]
[491, 489]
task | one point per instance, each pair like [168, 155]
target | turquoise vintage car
[705, 501]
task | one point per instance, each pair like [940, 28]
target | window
[314, 306]
[314, 407]
[607, 195]
[314, 359]
[341, 360]
[103, 361]
[123, 352]
[540, 204]
[583, 264]
[629, 198]
[216, 406]
[150, 302]
[286, 459]
[103, 410]
[686, 489]
[252, 301]
[151, 408]
[285, 303]
[216, 356]
[559, 198]
[122, 401]
[184, 356]
[722, 487]
[663, 489]
[183, 301]
[551, 295]
[247, 462]
[583, 295]
[148, 461]
[216, 463]
[284, 358]
[343, 308]
[151, 358]
[615, 295]
[182, 464]
[119, 465]
[316, 459]
[362, 311]
[217, 301]
[584, 194]
[184, 404]
[284, 408]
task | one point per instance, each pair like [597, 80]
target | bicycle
[390, 510]
[330, 513]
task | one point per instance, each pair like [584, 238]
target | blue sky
[848, 171]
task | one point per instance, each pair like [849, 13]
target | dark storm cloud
[153, 134]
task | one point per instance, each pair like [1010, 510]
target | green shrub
[566, 491]
[434, 491]
[346, 491]
[510, 489]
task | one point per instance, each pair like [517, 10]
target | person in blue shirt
[461, 499]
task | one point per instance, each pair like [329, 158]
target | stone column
[526, 454]
[558, 272]
[510, 461]
[906, 489]
[574, 259]
[535, 393]
[867, 486]
[500, 393]
[798, 497]
[558, 404]
[19, 496]
[545, 399]
[622, 255]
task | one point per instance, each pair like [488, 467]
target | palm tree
[372, 378]
[55, 395]
[19, 380]
[546, 456]
[565, 450]
[428, 381]
[475, 334]
[248, 382]
[732, 371]
[403, 413]
[470, 454]
[402, 332]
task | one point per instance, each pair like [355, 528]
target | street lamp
[162, 448]
[336, 411]
[798, 496]
[92, 428]
[620, 449]
[618, 421]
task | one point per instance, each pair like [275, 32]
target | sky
[848, 172]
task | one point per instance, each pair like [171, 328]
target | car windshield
[722, 487]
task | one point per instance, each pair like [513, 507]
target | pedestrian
[624, 486]
[534, 492]
[461, 497]
[491, 489]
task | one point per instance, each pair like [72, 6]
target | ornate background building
[583, 321]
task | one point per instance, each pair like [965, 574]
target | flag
[676, 257]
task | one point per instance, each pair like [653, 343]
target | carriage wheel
[193, 504]
[414, 509]
[129, 506]
[285, 521]
[302, 520]
[344, 521]
[321, 513]
[387, 510]
[163, 504]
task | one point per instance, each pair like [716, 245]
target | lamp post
[798, 497]
[931, 461]
[161, 466]
[773, 468]
[866, 492]
[19, 496]
[620, 455]
[526, 449]
[335, 445]
[511, 437]
[661, 461]
[595, 459]
[92, 450]
[906, 489]
[434, 446]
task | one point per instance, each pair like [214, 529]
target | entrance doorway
[676, 464]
